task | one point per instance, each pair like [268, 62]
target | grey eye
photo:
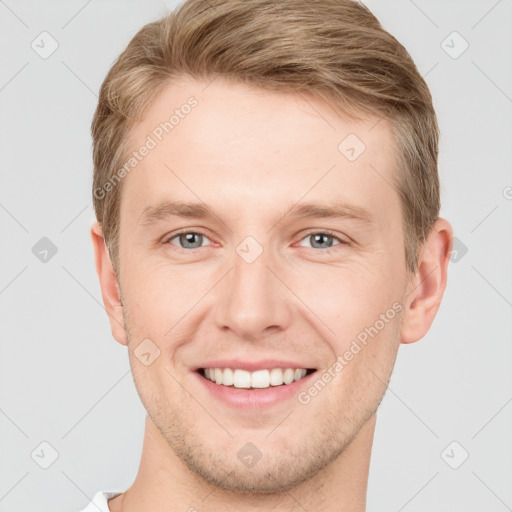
[321, 240]
[189, 240]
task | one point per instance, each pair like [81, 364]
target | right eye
[188, 239]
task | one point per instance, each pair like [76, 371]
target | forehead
[229, 144]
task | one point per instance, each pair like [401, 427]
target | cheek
[157, 390]
[161, 294]
[341, 300]
[347, 298]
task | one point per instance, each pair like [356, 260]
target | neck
[164, 483]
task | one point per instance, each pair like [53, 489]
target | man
[293, 145]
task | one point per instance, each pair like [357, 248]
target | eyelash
[328, 250]
[324, 232]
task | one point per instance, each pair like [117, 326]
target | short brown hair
[335, 50]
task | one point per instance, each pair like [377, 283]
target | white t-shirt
[100, 501]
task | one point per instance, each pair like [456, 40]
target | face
[251, 240]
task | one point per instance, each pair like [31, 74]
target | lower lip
[254, 398]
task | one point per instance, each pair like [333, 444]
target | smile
[259, 379]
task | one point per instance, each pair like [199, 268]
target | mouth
[258, 379]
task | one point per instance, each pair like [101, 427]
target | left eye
[189, 240]
[322, 240]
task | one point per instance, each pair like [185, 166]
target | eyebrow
[154, 214]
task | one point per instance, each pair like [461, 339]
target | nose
[252, 299]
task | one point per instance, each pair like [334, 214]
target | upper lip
[252, 366]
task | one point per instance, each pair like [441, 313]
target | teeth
[276, 377]
[241, 378]
[228, 377]
[258, 379]
[288, 376]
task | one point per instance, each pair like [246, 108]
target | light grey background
[64, 380]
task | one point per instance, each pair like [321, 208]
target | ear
[109, 284]
[426, 287]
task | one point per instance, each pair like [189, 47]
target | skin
[251, 155]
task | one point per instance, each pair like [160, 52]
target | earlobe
[426, 288]
[109, 285]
